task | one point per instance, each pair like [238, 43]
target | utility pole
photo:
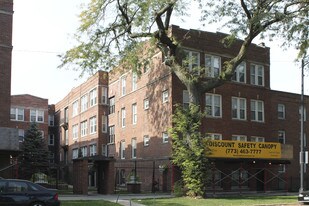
[301, 153]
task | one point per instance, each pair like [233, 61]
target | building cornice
[6, 12]
[6, 46]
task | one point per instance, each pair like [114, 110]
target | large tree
[111, 30]
[35, 154]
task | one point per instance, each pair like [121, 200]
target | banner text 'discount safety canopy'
[238, 149]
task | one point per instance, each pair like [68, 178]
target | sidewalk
[122, 199]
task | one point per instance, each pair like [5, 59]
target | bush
[179, 190]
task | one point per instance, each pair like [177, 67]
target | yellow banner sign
[238, 149]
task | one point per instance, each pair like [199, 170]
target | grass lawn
[231, 201]
[88, 203]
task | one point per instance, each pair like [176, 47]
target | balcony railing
[64, 123]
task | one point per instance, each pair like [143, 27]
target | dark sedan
[21, 192]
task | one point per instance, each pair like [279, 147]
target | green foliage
[179, 190]
[34, 156]
[189, 150]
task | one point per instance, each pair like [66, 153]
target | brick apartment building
[127, 135]
[8, 136]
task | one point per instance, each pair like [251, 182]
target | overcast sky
[42, 29]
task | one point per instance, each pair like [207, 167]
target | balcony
[64, 123]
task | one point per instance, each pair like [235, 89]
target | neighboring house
[9, 146]
[254, 130]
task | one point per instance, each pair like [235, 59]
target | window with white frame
[213, 105]
[134, 81]
[146, 103]
[122, 149]
[165, 96]
[75, 131]
[257, 139]
[134, 147]
[104, 150]
[84, 151]
[75, 153]
[104, 124]
[191, 61]
[17, 114]
[93, 97]
[51, 139]
[257, 110]
[123, 85]
[257, 74]
[83, 128]
[93, 124]
[281, 136]
[123, 117]
[214, 136]
[185, 99]
[213, 65]
[36, 115]
[240, 73]
[134, 113]
[164, 137]
[239, 108]
[93, 150]
[104, 95]
[146, 140]
[51, 120]
[112, 105]
[75, 108]
[241, 138]
[281, 111]
[84, 103]
[300, 113]
[21, 135]
[112, 134]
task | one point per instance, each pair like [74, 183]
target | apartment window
[257, 75]
[281, 136]
[123, 117]
[51, 139]
[104, 123]
[17, 114]
[257, 139]
[111, 134]
[305, 116]
[36, 115]
[146, 103]
[185, 99]
[134, 113]
[75, 108]
[51, 158]
[83, 128]
[134, 148]
[123, 85]
[281, 111]
[213, 105]
[75, 131]
[164, 137]
[240, 73]
[21, 135]
[104, 150]
[257, 110]
[146, 140]
[165, 96]
[84, 151]
[242, 138]
[104, 95]
[93, 125]
[93, 150]
[239, 108]
[84, 103]
[134, 81]
[214, 136]
[42, 134]
[192, 60]
[112, 105]
[75, 153]
[122, 149]
[213, 65]
[51, 120]
[93, 97]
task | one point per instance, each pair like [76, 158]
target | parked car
[303, 197]
[22, 192]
